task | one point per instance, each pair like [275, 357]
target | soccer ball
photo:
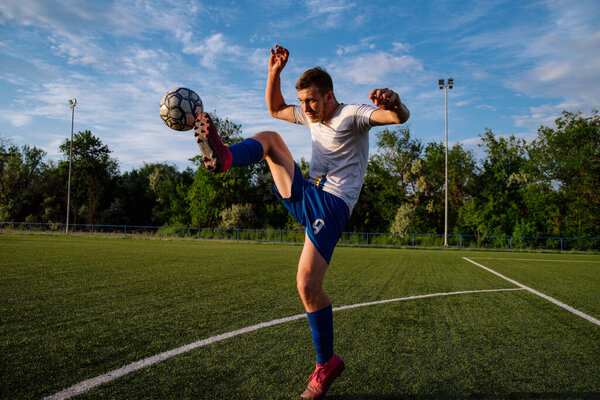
[179, 108]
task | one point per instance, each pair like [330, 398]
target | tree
[388, 181]
[428, 199]
[567, 159]
[170, 189]
[497, 206]
[238, 216]
[21, 184]
[93, 174]
[210, 194]
[398, 151]
[154, 194]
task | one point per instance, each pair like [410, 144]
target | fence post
[237, 234]
[367, 238]
[125, 230]
[413, 240]
[30, 227]
[161, 232]
[280, 235]
[561, 244]
[511, 242]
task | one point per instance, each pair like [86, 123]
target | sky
[516, 65]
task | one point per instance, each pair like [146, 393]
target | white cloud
[480, 74]
[364, 44]
[210, 49]
[377, 68]
[81, 52]
[565, 61]
[485, 107]
[258, 60]
[334, 12]
[328, 7]
[61, 17]
[401, 47]
[16, 118]
[557, 61]
[545, 115]
[464, 102]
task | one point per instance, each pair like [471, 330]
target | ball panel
[186, 105]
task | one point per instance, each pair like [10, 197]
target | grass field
[74, 308]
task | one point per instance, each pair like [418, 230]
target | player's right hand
[386, 99]
[279, 57]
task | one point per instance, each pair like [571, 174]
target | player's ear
[329, 96]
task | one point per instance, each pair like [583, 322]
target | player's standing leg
[311, 271]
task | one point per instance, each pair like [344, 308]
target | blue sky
[516, 65]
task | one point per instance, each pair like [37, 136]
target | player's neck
[335, 106]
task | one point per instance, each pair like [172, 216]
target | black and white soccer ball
[179, 108]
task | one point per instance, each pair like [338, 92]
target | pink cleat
[215, 155]
[323, 377]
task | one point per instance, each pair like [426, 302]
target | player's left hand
[386, 99]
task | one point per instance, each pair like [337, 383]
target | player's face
[314, 104]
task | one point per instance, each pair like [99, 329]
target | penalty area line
[540, 260]
[88, 384]
[542, 295]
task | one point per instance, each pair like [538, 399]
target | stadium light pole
[72, 104]
[446, 85]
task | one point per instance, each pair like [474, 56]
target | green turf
[573, 279]
[72, 308]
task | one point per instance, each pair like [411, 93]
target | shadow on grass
[515, 396]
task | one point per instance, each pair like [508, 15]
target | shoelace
[319, 375]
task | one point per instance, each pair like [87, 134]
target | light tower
[72, 104]
[446, 85]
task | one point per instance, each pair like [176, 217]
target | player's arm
[275, 102]
[391, 109]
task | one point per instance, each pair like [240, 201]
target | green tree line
[547, 187]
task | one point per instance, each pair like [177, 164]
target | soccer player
[340, 146]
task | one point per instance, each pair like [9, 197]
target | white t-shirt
[340, 150]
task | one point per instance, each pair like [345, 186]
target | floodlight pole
[446, 85]
[72, 104]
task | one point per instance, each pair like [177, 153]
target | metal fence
[289, 236]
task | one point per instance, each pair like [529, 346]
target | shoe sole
[203, 129]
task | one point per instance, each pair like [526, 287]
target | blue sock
[247, 152]
[321, 325]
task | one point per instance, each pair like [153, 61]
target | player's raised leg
[215, 155]
[280, 160]
[311, 271]
[264, 145]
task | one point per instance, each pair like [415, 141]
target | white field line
[539, 259]
[542, 295]
[84, 386]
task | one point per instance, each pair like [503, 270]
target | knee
[268, 139]
[307, 288]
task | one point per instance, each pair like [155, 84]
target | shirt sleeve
[362, 114]
[300, 116]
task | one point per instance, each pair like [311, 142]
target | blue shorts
[322, 214]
